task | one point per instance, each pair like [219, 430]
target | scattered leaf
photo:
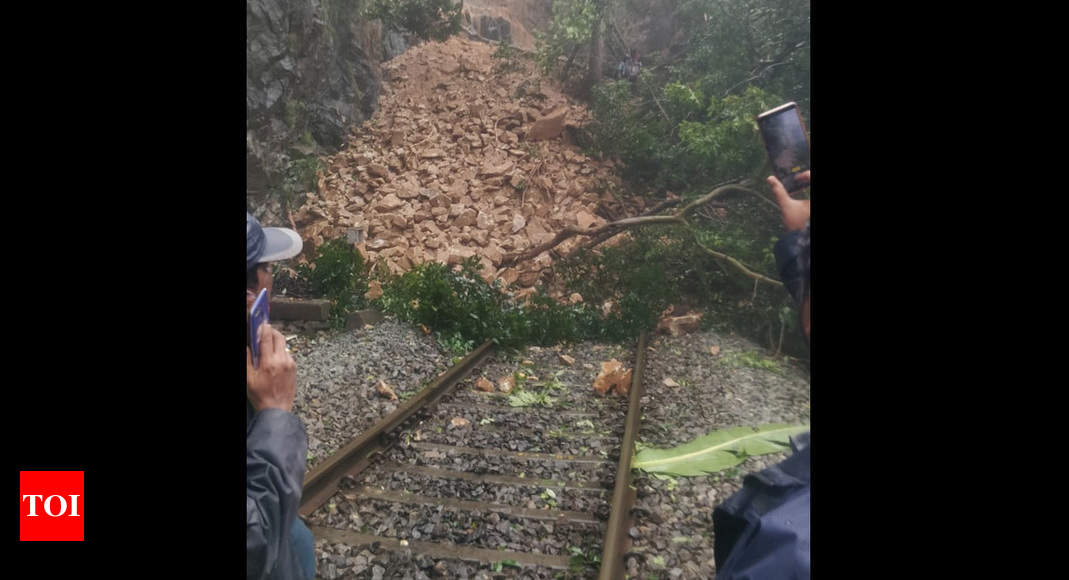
[717, 450]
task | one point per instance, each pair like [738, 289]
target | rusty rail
[322, 482]
[617, 541]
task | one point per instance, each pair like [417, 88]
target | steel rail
[617, 541]
[322, 482]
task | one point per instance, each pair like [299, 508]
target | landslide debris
[465, 157]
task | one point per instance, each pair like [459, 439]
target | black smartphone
[787, 143]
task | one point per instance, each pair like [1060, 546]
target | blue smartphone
[257, 316]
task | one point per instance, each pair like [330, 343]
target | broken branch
[572, 231]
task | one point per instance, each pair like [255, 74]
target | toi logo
[52, 506]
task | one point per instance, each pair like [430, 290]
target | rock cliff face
[312, 72]
[515, 20]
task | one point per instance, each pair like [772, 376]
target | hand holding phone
[787, 143]
[257, 317]
[795, 212]
[273, 384]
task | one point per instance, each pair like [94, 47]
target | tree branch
[572, 231]
[599, 238]
[737, 265]
[720, 191]
[679, 217]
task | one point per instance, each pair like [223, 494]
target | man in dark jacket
[278, 545]
[762, 531]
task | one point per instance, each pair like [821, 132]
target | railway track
[457, 482]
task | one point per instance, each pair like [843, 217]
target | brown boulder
[676, 325]
[549, 126]
[466, 218]
[480, 237]
[378, 170]
[529, 278]
[506, 384]
[584, 219]
[509, 275]
[374, 290]
[458, 255]
[613, 375]
[390, 203]
[496, 170]
[458, 422]
[407, 191]
[493, 253]
[385, 391]
[484, 384]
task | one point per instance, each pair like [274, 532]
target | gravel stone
[337, 374]
[672, 532]
[715, 392]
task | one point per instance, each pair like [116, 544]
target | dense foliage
[339, 274]
[427, 19]
[462, 307]
[569, 29]
[686, 125]
[689, 123]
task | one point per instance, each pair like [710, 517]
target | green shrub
[337, 273]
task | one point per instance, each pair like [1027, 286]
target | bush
[665, 266]
[463, 308]
[337, 273]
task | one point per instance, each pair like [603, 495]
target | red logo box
[52, 506]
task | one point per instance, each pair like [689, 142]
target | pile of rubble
[465, 157]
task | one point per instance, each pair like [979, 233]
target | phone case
[787, 143]
[257, 316]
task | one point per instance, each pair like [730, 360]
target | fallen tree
[679, 218]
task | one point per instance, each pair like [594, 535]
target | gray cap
[268, 244]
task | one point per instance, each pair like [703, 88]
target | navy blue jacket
[762, 532]
[792, 260]
[275, 453]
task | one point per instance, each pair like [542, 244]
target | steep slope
[461, 160]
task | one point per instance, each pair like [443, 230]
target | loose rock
[385, 390]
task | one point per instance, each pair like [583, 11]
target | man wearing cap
[278, 544]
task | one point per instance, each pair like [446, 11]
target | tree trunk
[597, 47]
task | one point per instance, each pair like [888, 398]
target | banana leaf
[717, 450]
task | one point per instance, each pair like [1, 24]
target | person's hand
[795, 211]
[274, 384]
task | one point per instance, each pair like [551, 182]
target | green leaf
[717, 450]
